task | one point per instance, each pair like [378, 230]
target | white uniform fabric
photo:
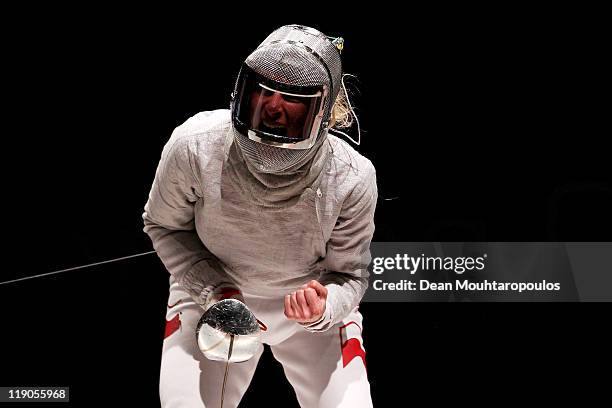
[209, 233]
[326, 369]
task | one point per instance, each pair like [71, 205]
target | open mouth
[273, 125]
[274, 128]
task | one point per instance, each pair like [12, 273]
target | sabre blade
[227, 363]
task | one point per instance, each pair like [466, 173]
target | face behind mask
[283, 99]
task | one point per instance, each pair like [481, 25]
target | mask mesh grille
[299, 56]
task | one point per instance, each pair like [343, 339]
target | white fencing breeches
[326, 370]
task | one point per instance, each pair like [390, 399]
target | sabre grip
[222, 293]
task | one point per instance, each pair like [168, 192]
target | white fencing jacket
[209, 235]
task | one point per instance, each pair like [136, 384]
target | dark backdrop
[483, 125]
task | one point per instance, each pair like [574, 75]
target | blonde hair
[341, 115]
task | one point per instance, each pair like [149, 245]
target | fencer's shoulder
[203, 134]
[207, 124]
[347, 161]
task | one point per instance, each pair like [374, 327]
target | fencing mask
[284, 95]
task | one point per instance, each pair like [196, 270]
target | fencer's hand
[307, 304]
[222, 293]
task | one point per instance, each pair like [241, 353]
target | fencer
[260, 204]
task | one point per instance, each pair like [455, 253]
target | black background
[483, 125]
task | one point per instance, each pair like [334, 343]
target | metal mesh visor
[292, 53]
[270, 159]
[288, 64]
[294, 56]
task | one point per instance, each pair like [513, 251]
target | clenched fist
[307, 304]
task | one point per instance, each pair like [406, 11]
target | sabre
[229, 355]
[228, 331]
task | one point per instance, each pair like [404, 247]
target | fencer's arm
[348, 253]
[169, 222]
